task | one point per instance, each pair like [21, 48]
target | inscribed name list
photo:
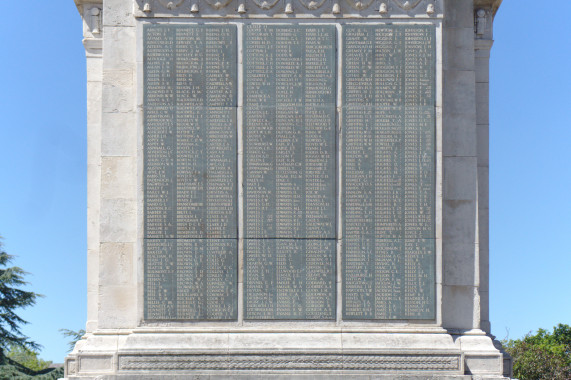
[190, 171]
[388, 172]
[289, 171]
[289, 129]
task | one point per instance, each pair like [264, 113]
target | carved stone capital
[491, 5]
[92, 15]
[483, 20]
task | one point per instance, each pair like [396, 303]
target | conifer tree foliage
[75, 337]
[12, 298]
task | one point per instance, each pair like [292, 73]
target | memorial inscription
[190, 172]
[289, 129]
[289, 171]
[389, 172]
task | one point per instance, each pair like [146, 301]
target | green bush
[12, 370]
[28, 358]
[543, 355]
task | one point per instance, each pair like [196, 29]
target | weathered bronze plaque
[388, 172]
[289, 171]
[190, 171]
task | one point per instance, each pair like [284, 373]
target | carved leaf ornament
[218, 4]
[407, 4]
[312, 4]
[360, 4]
[266, 4]
[171, 4]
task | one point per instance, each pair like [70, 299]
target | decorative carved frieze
[313, 362]
[290, 8]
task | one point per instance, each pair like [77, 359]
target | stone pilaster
[91, 13]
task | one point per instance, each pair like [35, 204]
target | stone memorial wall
[287, 189]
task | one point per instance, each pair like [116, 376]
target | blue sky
[43, 165]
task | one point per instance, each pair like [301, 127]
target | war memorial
[288, 189]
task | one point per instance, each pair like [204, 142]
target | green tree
[11, 299]
[543, 355]
[28, 358]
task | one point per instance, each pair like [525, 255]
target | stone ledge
[287, 377]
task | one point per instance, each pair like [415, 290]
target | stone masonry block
[459, 92]
[118, 13]
[116, 264]
[94, 70]
[459, 264]
[117, 307]
[483, 187]
[459, 137]
[118, 91]
[458, 307]
[483, 138]
[118, 220]
[460, 178]
[119, 59]
[118, 177]
[482, 66]
[459, 221]
[94, 90]
[460, 49]
[459, 14]
[119, 137]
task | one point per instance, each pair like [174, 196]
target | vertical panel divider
[339, 172]
[240, 168]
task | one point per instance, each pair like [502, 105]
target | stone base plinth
[152, 354]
